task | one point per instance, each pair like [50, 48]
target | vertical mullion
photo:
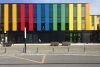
[95, 22]
[47, 17]
[87, 18]
[38, 17]
[71, 17]
[54, 17]
[91, 22]
[62, 17]
[22, 13]
[14, 17]
[6, 17]
[31, 21]
[79, 17]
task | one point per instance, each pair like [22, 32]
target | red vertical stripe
[22, 15]
[31, 15]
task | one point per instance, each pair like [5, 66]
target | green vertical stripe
[63, 17]
[54, 17]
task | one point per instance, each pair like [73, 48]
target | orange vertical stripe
[14, 17]
[87, 20]
[6, 15]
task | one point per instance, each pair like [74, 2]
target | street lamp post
[25, 38]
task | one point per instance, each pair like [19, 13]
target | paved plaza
[49, 50]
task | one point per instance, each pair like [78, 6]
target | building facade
[48, 22]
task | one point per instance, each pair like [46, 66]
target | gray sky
[94, 4]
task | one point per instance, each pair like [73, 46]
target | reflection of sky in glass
[94, 4]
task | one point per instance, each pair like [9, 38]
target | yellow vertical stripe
[90, 22]
[87, 22]
[14, 17]
[6, 11]
[79, 17]
[71, 17]
[95, 22]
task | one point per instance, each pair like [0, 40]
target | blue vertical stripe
[38, 17]
[46, 17]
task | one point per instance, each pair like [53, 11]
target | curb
[49, 54]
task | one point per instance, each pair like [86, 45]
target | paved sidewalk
[50, 50]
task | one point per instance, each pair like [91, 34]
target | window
[83, 11]
[75, 11]
[67, 10]
[43, 20]
[10, 10]
[58, 20]
[51, 26]
[18, 11]
[26, 10]
[35, 11]
[43, 26]
[42, 10]
[2, 11]
[51, 11]
[67, 20]
[83, 24]
[59, 10]
[75, 24]
[51, 20]
[92, 20]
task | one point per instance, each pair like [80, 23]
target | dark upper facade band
[46, 17]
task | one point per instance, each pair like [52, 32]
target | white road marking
[26, 59]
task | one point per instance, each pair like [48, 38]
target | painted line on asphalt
[26, 59]
[43, 59]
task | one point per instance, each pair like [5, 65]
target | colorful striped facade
[69, 19]
[67, 16]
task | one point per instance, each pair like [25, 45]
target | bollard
[53, 50]
[23, 50]
[37, 50]
[84, 47]
[5, 49]
[68, 49]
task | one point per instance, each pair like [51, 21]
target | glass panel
[51, 10]
[59, 10]
[35, 10]
[75, 24]
[43, 11]
[67, 11]
[26, 11]
[75, 11]
[83, 24]
[83, 11]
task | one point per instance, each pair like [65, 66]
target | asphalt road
[49, 61]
